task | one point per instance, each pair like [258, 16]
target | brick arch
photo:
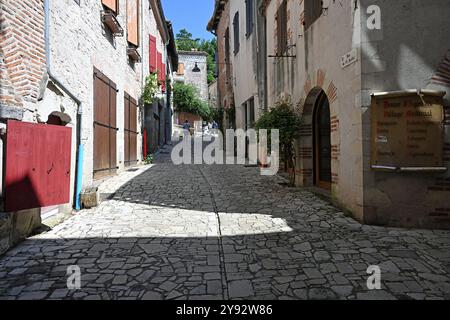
[314, 86]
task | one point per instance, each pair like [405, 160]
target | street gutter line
[223, 271]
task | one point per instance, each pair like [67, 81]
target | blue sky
[192, 15]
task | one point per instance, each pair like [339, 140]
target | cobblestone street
[222, 232]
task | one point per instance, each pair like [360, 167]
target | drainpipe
[80, 149]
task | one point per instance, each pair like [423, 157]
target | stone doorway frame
[320, 99]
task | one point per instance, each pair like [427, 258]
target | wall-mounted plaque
[349, 58]
[407, 130]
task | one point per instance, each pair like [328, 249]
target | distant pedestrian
[187, 128]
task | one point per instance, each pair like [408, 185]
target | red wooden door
[38, 163]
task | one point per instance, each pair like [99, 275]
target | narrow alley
[221, 232]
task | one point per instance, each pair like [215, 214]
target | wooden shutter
[130, 130]
[112, 5]
[133, 22]
[153, 57]
[236, 33]
[249, 16]
[105, 128]
[282, 39]
[313, 10]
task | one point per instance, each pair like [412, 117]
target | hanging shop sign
[407, 131]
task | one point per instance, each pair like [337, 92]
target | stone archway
[305, 143]
[322, 147]
[316, 84]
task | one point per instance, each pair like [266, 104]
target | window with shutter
[153, 57]
[313, 10]
[133, 22]
[249, 18]
[159, 66]
[113, 5]
[236, 33]
[282, 37]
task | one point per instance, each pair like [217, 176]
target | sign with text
[407, 131]
[349, 58]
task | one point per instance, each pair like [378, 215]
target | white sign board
[349, 58]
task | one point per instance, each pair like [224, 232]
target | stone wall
[79, 41]
[406, 53]
[22, 53]
[224, 66]
[316, 67]
[22, 73]
[244, 64]
[390, 59]
[198, 79]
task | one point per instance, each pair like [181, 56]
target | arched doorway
[322, 142]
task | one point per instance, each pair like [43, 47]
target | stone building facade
[55, 56]
[337, 55]
[219, 25]
[336, 61]
[192, 70]
[244, 61]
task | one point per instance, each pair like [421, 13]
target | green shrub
[284, 118]
[186, 99]
[149, 159]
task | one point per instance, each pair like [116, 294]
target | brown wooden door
[130, 131]
[323, 143]
[105, 127]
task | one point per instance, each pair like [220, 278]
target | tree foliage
[186, 42]
[186, 99]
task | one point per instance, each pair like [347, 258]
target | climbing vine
[151, 88]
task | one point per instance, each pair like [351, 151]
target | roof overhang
[218, 9]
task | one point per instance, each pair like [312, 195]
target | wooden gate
[130, 130]
[38, 162]
[105, 127]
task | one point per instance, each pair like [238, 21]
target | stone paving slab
[222, 232]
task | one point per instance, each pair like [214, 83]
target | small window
[282, 36]
[313, 10]
[236, 33]
[249, 18]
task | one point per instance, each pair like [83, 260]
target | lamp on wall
[196, 68]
